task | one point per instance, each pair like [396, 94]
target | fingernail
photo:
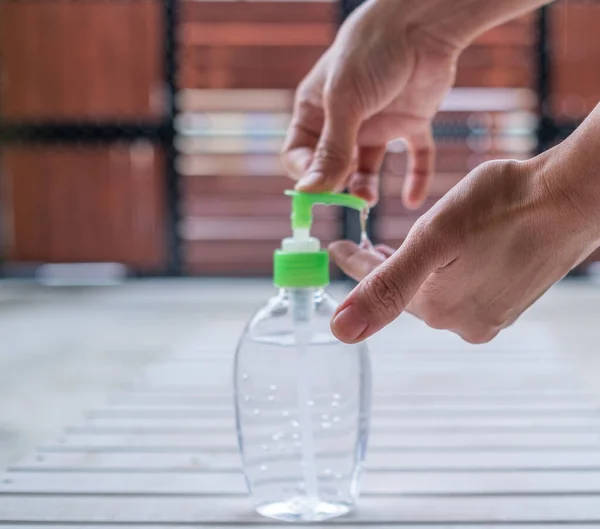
[349, 324]
[309, 180]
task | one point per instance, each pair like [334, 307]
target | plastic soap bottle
[302, 397]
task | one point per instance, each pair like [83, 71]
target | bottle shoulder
[278, 320]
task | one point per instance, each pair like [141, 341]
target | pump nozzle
[300, 262]
[302, 204]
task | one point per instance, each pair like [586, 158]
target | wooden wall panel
[85, 204]
[575, 81]
[92, 61]
[71, 60]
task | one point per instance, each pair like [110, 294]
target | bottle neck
[303, 302]
[316, 293]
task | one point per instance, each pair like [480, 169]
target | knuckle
[383, 294]
[498, 320]
[336, 158]
[479, 336]
[435, 316]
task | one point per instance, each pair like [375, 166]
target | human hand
[486, 251]
[383, 78]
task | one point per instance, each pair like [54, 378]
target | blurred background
[146, 132]
[141, 138]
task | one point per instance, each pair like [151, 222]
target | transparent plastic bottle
[302, 397]
[302, 409]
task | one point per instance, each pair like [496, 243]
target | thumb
[384, 294]
[335, 158]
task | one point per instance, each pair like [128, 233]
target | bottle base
[303, 509]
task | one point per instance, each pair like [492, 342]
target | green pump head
[300, 263]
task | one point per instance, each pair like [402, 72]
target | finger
[383, 295]
[420, 169]
[301, 141]
[307, 121]
[365, 181]
[334, 159]
[353, 260]
[385, 249]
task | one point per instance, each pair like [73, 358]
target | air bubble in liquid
[256, 411]
[310, 402]
[325, 425]
[295, 424]
[270, 398]
[263, 468]
[285, 413]
[272, 387]
[244, 376]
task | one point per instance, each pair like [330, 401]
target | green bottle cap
[301, 269]
[300, 263]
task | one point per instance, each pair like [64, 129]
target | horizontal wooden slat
[373, 483]
[435, 423]
[382, 438]
[410, 381]
[380, 408]
[236, 510]
[254, 228]
[228, 100]
[487, 403]
[205, 460]
[256, 34]
[236, 67]
[258, 11]
[239, 206]
[231, 165]
[460, 99]
[269, 525]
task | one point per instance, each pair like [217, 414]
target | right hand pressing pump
[500, 238]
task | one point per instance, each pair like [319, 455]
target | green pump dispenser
[301, 263]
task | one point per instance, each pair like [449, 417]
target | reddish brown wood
[85, 204]
[575, 58]
[74, 60]
[256, 34]
[266, 12]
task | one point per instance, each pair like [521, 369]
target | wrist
[567, 178]
[458, 22]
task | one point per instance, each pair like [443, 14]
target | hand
[484, 253]
[383, 78]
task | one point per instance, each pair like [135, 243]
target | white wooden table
[462, 438]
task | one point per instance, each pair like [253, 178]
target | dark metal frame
[549, 130]
[161, 133]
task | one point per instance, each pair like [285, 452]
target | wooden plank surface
[338, 525]
[494, 438]
[146, 439]
[211, 509]
[232, 484]
[136, 461]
